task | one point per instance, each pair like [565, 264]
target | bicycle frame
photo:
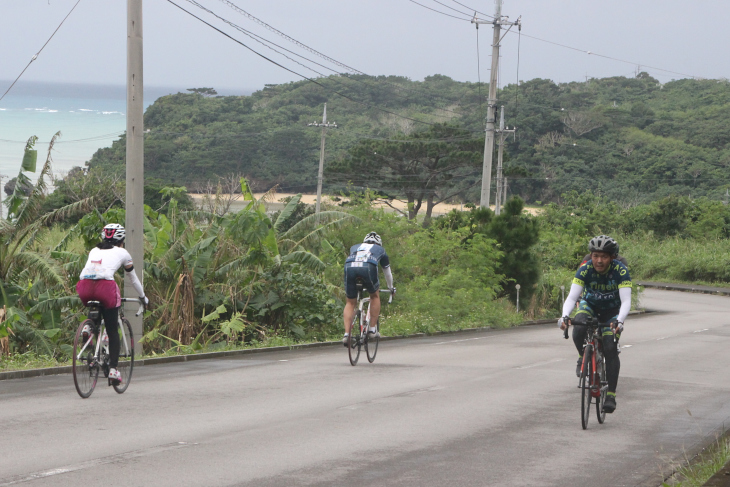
[102, 326]
[594, 346]
[361, 305]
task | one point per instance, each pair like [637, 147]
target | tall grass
[677, 259]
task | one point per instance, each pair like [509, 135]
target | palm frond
[55, 303]
[287, 211]
[319, 232]
[39, 265]
[29, 232]
[311, 221]
[307, 259]
[31, 206]
[267, 195]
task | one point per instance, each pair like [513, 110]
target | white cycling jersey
[103, 264]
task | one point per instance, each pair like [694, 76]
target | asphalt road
[491, 408]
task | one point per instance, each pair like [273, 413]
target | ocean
[89, 117]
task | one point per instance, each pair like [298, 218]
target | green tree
[426, 167]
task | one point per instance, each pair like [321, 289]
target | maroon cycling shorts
[106, 292]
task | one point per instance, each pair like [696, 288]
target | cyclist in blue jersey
[603, 285]
[363, 263]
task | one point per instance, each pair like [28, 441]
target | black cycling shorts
[369, 274]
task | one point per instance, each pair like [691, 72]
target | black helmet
[603, 243]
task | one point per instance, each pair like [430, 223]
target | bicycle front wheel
[371, 345]
[355, 342]
[126, 355]
[585, 387]
[603, 384]
[85, 366]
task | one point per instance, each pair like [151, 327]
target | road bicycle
[359, 336]
[91, 354]
[592, 382]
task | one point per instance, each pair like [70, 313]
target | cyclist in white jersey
[97, 284]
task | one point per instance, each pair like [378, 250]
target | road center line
[92, 463]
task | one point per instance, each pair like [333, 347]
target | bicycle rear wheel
[85, 367]
[126, 355]
[601, 365]
[355, 341]
[371, 345]
[585, 387]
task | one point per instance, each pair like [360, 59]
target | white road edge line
[92, 463]
[456, 341]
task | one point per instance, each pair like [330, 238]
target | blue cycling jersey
[363, 253]
[600, 291]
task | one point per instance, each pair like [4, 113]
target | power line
[289, 38]
[438, 11]
[263, 42]
[298, 74]
[591, 53]
[41, 49]
[349, 69]
[452, 8]
[473, 9]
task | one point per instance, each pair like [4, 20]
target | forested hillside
[630, 139]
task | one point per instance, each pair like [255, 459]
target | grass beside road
[396, 324]
[696, 473]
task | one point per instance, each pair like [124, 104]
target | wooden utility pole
[498, 22]
[135, 158]
[320, 172]
[500, 182]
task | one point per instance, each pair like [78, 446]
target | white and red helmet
[113, 232]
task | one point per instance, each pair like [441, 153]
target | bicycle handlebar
[390, 299]
[137, 300]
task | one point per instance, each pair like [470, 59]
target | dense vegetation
[247, 278]
[619, 159]
[631, 139]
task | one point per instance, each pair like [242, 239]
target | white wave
[52, 111]
[111, 113]
[86, 110]
[3, 109]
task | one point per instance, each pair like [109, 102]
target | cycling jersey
[367, 253]
[103, 264]
[601, 291]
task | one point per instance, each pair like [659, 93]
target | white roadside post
[517, 286]
[562, 291]
[135, 161]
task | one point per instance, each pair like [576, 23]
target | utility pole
[504, 192]
[320, 173]
[135, 158]
[2, 176]
[500, 182]
[498, 22]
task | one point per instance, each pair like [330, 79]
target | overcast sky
[375, 36]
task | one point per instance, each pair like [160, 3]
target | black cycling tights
[610, 351]
[112, 330]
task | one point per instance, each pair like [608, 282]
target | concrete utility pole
[498, 22]
[504, 192]
[320, 173]
[135, 158]
[2, 176]
[501, 189]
